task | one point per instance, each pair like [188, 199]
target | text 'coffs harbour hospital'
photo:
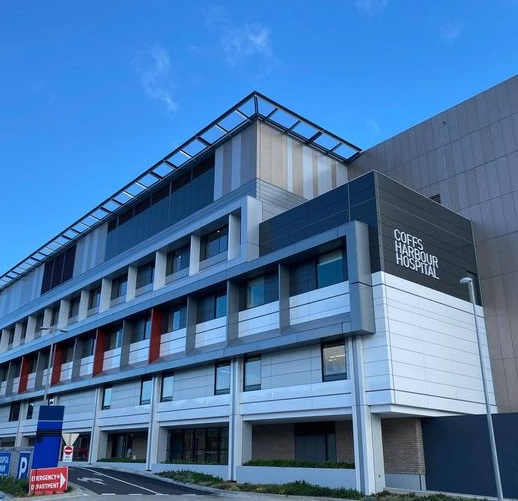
[269, 291]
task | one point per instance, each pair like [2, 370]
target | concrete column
[63, 314]
[235, 425]
[106, 292]
[194, 259]
[160, 269]
[162, 444]
[31, 328]
[95, 432]
[190, 331]
[131, 290]
[17, 334]
[368, 441]
[234, 236]
[4, 341]
[153, 427]
[83, 305]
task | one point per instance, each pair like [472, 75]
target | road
[114, 482]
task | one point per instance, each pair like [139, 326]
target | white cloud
[373, 126]
[241, 43]
[153, 65]
[451, 32]
[371, 7]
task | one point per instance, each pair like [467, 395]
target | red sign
[48, 480]
[68, 452]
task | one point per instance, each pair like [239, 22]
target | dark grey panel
[443, 239]
[458, 456]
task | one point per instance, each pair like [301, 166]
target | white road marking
[122, 481]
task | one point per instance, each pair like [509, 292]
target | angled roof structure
[255, 106]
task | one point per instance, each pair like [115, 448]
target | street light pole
[469, 282]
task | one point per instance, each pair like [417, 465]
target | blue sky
[94, 92]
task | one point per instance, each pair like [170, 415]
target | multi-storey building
[248, 297]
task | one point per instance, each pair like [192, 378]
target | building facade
[252, 296]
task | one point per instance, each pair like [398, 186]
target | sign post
[48, 480]
[68, 453]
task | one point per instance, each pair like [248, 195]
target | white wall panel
[172, 342]
[194, 383]
[139, 352]
[211, 332]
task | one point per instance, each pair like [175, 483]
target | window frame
[247, 386]
[219, 370]
[332, 375]
[178, 260]
[146, 390]
[145, 275]
[168, 397]
[214, 243]
[106, 400]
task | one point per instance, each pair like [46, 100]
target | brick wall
[403, 446]
[344, 442]
[275, 441]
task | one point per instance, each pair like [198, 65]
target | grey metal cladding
[444, 234]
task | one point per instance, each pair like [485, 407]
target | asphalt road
[114, 482]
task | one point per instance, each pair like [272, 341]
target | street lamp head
[466, 280]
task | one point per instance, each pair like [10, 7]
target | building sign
[411, 254]
[24, 461]
[5, 463]
[48, 480]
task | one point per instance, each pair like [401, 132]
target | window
[30, 409]
[119, 287]
[146, 389]
[166, 394]
[222, 378]
[114, 337]
[73, 310]
[333, 361]
[212, 306]
[32, 364]
[140, 329]
[14, 411]
[261, 290]
[315, 441]
[252, 379]
[107, 397]
[58, 270]
[175, 318]
[10, 335]
[3, 373]
[321, 271]
[178, 260]
[69, 352]
[38, 325]
[145, 274]
[23, 331]
[54, 315]
[87, 346]
[94, 298]
[199, 445]
[214, 243]
[330, 269]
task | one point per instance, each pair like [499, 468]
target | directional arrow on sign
[62, 480]
[91, 479]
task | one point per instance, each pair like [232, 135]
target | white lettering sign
[410, 253]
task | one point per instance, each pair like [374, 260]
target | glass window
[252, 380]
[23, 331]
[87, 346]
[94, 298]
[212, 306]
[10, 335]
[214, 243]
[73, 310]
[107, 397]
[54, 314]
[166, 395]
[333, 361]
[114, 337]
[146, 388]
[32, 364]
[3, 373]
[119, 287]
[222, 382]
[330, 268]
[261, 290]
[145, 274]
[178, 259]
[30, 409]
[69, 352]
[200, 445]
[141, 329]
[39, 324]
[14, 411]
[175, 318]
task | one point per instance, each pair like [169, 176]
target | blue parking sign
[5, 463]
[23, 465]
